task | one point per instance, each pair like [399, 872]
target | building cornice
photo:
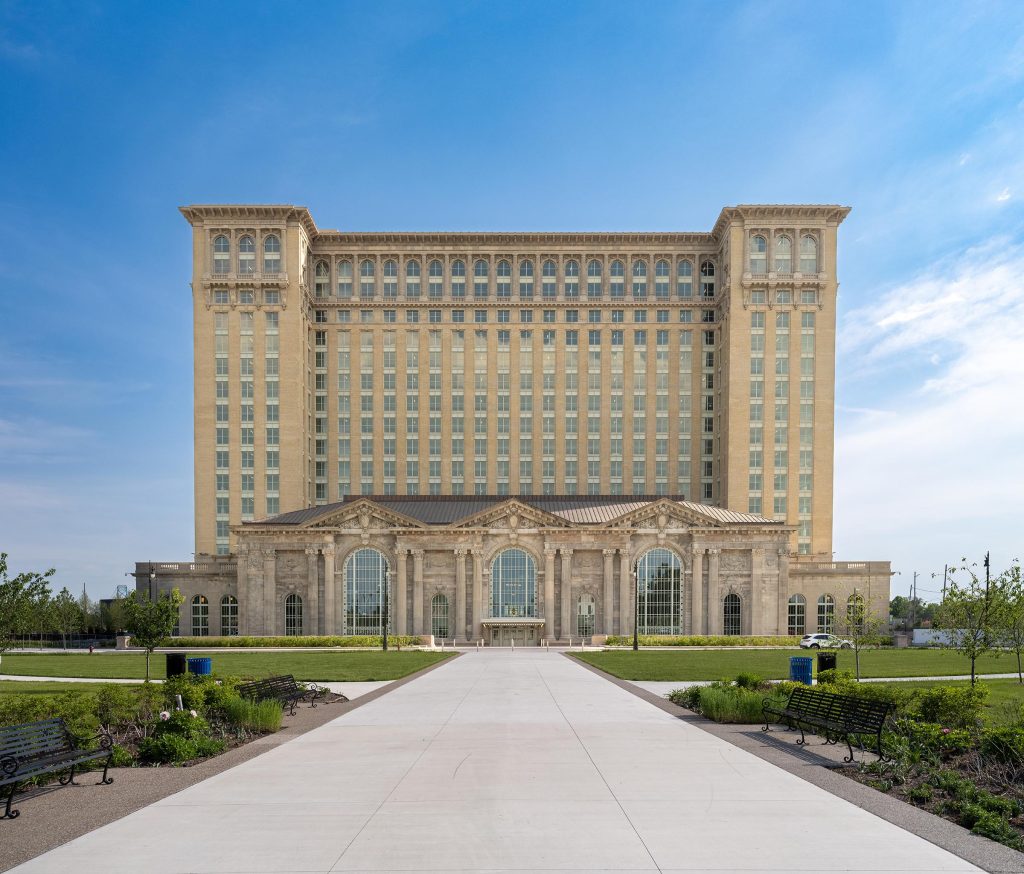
[267, 213]
[778, 212]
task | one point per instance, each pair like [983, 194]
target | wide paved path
[501, 762]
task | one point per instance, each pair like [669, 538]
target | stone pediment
[366, 514]
[511, 515]
[663, 515]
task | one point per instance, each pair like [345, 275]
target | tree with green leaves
[65, 614]
[1010, 620]
[150, 622]
[971, 613]
[22, 597]
[862, 626]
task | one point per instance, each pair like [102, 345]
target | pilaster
[607, 607]
[567, 629]
[459, 625]
[417, 592]
[311, 607]
[549, 592]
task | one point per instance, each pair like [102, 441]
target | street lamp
[152, 582]
[636, 611]
[385, 623]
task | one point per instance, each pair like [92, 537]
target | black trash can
[826, 661]
[176, 664]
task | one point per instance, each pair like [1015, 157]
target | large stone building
[418, 404]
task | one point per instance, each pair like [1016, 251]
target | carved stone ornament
[364, 521]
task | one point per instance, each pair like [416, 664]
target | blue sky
[526, 116]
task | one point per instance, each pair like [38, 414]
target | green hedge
[702, 640]
[395, 640]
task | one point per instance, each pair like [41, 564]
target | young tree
[66, 614]
[861, 626]
[1010, 623]
[970, 612]
[150, 622]
[21, 598]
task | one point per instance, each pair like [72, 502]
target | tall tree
[151, 622]
[21, 598]
[1010, 621]
[862, 626]
[66, 614]
[970, 612]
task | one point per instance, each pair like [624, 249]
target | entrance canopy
[512, 621]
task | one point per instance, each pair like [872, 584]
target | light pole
[636, 611]
[152, 582]
[385, 620]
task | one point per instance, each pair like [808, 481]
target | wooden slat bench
[34, 749]
[837, 717]
[283, 689]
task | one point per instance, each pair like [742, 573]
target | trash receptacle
[200, 666]
[176, 664]
[801, 669]
[826, 661]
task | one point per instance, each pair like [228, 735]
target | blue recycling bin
[204, 666]
[801, 669]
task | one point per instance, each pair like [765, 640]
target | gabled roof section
[573, 511]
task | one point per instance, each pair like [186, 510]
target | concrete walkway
[496, 762]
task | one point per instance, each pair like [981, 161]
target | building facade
[340, 374]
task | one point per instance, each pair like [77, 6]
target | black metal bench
[837, 717]
[34, 749]
[283, 689]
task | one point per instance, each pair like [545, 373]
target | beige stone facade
[580, 399]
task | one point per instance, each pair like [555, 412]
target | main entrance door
[506, 635]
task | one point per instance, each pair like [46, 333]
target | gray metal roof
[575, 509]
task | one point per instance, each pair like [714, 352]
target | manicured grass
[774, 664]
[341, 666]
[1004, 696]
[34, 687]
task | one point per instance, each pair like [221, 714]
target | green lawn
[341, 666]
[38, 687]
[1004, 696]
[774, 664]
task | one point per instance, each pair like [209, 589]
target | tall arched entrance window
[365, 577]
[732, 616]
[659, 581]
[200, 616]
[439, 616]
[513, 584]
[229, 616]
[797, 615]
[855, 613]
[826, 614]
[293, 615]
[586, 611]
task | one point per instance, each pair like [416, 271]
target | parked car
[825, 641]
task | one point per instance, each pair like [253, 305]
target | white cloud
[942, 475]
[1003, 195]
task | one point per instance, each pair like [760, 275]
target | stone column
[269, 623]
[459, 625]
[608, 607]
[478, 594]
[330, 624]
[567, 628]
[783, 584]
[760, 605]
[401, 624]
[697, 619]
[244, 557]
[417, 592]
[311, 607]
[715, 606]
[549, 592]
[626, 606]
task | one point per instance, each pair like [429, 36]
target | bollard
[513, 644]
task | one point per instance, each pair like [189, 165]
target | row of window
[797, 624]
[783, 253]
[246, 263]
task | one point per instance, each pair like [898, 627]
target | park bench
[35, 749]
[283, 689]
[837, 717]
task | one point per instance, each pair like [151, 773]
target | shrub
[77, 709]
[115, 704]
[264, 716]
[920, 794]
[835, 676]
[952, 706]
[751, 681]
[933, 738]
[370, 641]
[699, 640]
[688, 697]
[996, 828]
[206, 694]
[731, 705]
[120, 757]
[180, 738]
[1004, 745]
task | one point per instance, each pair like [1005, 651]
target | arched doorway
[732, 616]
[659, 580]
[366, 573]
[513, 614]
[439, 616]
[586, 612]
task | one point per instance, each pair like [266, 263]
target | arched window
[572, 268]
[707, 280]
[481, 271]
[412, 268]
[246, 255]
[504, 286]
[200, 616]
[435, 281]
[526, 268]
[586, 610]
[550, 269]
[617, 268]
[439, 616]
[783, 254]
[344, 279]
[731, 615]
[513, 584]
[271, 254]
[221, 255]
[855, 612]
[504, 268]
[367, 268]
[826, 613]
[293, 615]
[659, 574]
[797, 615]
[458, 267]
[572, 279]
[229, 616]
[365, 577]
[808, 254]
[707, 269]
[391, 268]
[525, 280]
[367, 283]
[436, 269]
[594, 268]
[480, 268]
[639, 268]
[661, 268]
[661, 280]
[758, 254]
[323, 279]
[390, 279]
[684, 279]
[412, 279]
[458, 271]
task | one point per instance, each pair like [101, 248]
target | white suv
[824, 641]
